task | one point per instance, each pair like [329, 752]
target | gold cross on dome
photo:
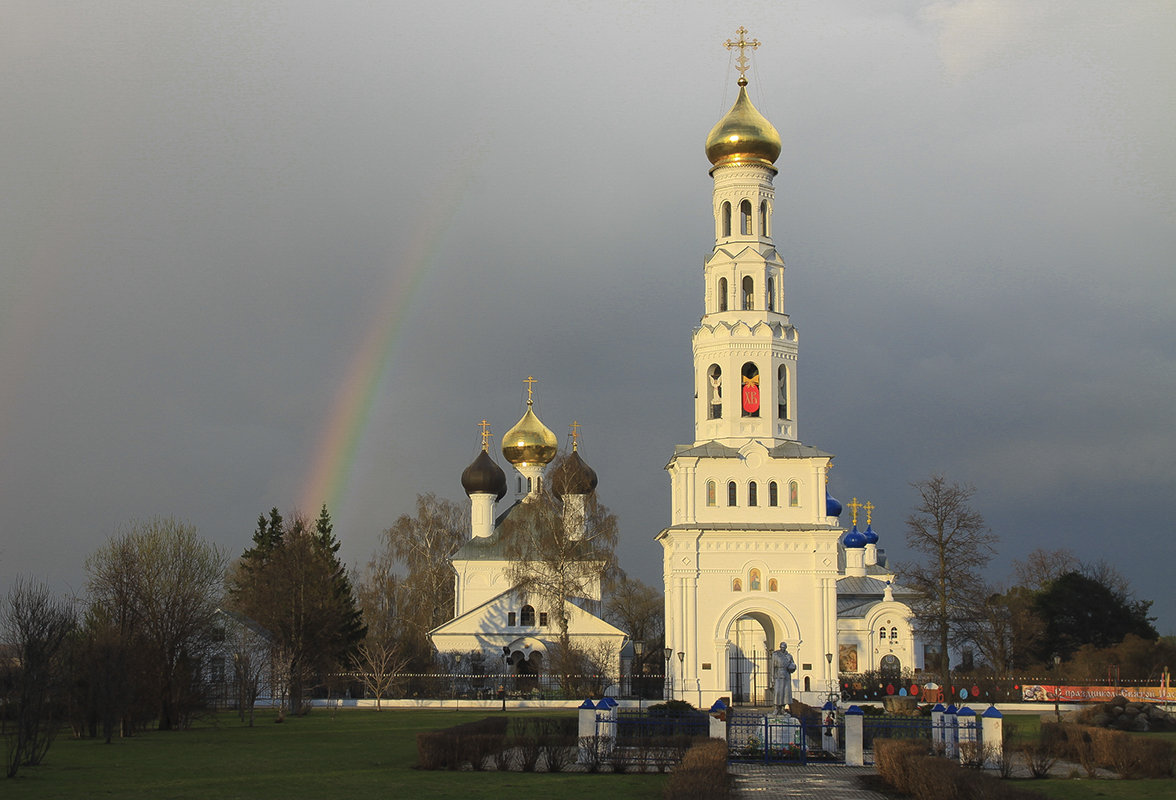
[869, 507]
[741, 63]
[575, 426]
[854, 505]
[485, 426]
[530, 389]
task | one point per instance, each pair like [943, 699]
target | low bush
[1129, 755]
[702, 775]
[906, 766]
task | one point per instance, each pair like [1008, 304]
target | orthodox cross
[485, 426]
[575, 426]
[741, 62]
[854, 505]
[530, 389]
[869, 507]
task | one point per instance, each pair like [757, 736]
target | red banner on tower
[750, 398]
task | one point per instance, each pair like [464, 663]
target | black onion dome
[573, 476]
[484, 477]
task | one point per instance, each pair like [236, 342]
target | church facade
[492, 616]
[755, 553]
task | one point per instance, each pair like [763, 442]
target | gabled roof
[489, 619]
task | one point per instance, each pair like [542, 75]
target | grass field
[346, 754]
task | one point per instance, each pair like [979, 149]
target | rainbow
[334, 453]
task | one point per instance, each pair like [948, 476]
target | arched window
[764, 218]
[528, 485]
[527, 616]
[751, 396]
[737, 585]
[714, 392]
[793, 494]
[722, 298]
[773, 494]
[882, 634]
[753, 580]
[772, 585]
[731, 493]
[726, 214]
[894, 634]
[771, 294]
[752, 494]
[710, 494]
[748, 293]
[745, 218]
[782, 392]
[806, 683]
[520, 484]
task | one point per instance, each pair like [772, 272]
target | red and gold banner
[1080, 694]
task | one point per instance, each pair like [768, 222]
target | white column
[992, 736]
[854, 752]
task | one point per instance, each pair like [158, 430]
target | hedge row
[702, 775]
[910, 768]
[1129, 755]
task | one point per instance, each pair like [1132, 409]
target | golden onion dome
[743, 135]
[529, 441]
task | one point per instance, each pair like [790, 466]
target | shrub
[1130, 756]
[702, 775]
[893, 759]
[905, 765]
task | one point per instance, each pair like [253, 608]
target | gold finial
[530, 389]
[741, 63]
[575, 426]
[855, 505]
[828, 469]
[485, 426]
[869, 507]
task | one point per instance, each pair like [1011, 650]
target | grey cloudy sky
[210, 207]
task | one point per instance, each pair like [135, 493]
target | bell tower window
[771, 294]
[745, 218]
[764, 218]
[750, 397]
[726, 217]
[782, 392]
[748, 293]
[722, 298]
[714, 392]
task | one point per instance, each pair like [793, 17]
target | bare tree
[956, 545]
[560, 557]
[159, 582]
[1043, 566]
[408, 589]
[1004, 627]
[38, 626]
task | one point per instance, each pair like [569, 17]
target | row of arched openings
[754, 583]
[746, 294]
[746, 218]
[893, 634]
[753, 494]
[749, 397]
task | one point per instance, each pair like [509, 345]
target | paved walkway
[818, 782]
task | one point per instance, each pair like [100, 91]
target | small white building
[491, 616]
[755, 553]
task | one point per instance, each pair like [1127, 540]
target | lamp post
[667, 681]
[682, 669]
[457, 671]
[638, 651]
[829, 672]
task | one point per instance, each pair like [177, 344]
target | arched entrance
[524, 659]
[748, 669]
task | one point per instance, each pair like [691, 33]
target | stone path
[819, 782]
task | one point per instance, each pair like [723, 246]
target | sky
[281, 253]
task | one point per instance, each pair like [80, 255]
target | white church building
[755, 553]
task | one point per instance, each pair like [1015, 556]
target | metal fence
[770, 738]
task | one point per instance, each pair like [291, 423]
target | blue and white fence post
[829, 727]
[855, 755]
[992, 735]
[951, 734]
[938, 740]
[718, 727]
[586, 730]
[968, 733]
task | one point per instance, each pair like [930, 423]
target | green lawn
[1078, 789]
[346, 754]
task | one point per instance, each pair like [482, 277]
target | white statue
[783, 666]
